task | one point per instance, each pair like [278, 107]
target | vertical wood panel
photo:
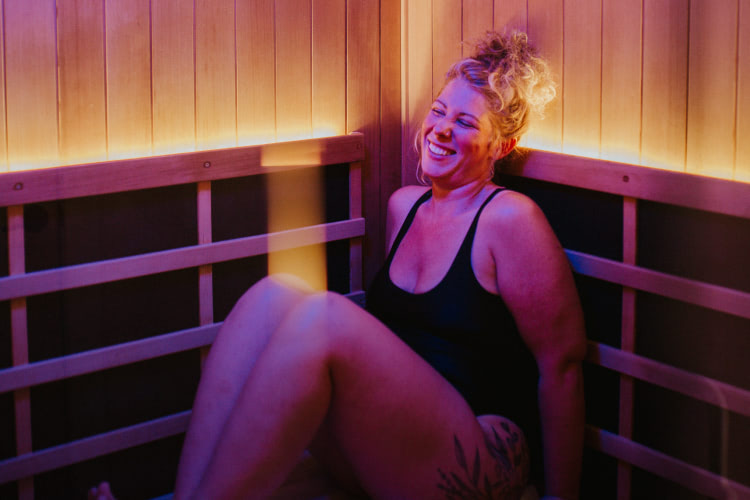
[293, 69]
[712, 90]
[3, 119]
[582, 79]
[293, 21]
[510, 15]
[31, 83]
[215, 103]
[363, 115]
[328, 67]
[621, 80]
[390, 108]
[128, 61]
[173, 75]
[446, 48]
[418, 85]
[742, 160]
[256, 92]
[546, 33]
[477, 19]
[665, 47]
[80, 38]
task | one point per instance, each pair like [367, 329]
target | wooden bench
[611, 217]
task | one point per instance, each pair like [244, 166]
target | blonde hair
[516, 82]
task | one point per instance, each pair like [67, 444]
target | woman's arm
[535, 281]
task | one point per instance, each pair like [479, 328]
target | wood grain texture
[717, 195]
[3, 114]
[31, 84]
[363, 114]
[510, 15]
[173, 76]
[712, 87]
[742, 158]
[390, 108]
[665, 68]
[215, 82]
[19, 336]
[477, 19]
[80, 41]
[718, 298]
[690, 476]
[418, 80]
[627, 341]
[142, 173]
[447, 47]
[293, 20]
[256, 70]
[582, 78]
[128, 59]
[328, 67]
[81, 275]
[92, 447]
[546, 33]
[621, 80]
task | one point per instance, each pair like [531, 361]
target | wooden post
[20, 344]
[627, 342]
[205, 273]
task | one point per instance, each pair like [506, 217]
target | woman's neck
[456, 200]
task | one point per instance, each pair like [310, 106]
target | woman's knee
[325, 318]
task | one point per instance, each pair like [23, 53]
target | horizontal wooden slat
[663, 465]
[92, 447]
[696, 386]
[65, 278]
[714, 297]
[677, 188]
[33, 186]
[73, 365]
[107, 357]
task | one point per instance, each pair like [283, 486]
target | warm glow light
[296, 204]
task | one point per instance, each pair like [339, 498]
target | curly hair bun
[517, 82]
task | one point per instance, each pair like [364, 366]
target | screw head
[18, 186]
[207, 164]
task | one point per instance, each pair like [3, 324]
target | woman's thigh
[404, 430]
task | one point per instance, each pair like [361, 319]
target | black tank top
[467, 334]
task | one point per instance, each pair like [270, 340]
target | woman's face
[457, 136]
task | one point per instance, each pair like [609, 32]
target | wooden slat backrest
[633, 184]
[199, 168]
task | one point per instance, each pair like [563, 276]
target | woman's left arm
[535, 280]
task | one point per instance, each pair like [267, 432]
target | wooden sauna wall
[92, 80]
[662, 83]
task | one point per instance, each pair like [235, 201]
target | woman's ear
[507, 146]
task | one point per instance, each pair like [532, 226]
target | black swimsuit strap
[473, 228]
[405, 226]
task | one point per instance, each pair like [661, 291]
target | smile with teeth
[440, 151]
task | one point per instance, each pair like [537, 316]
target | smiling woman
[468, 352]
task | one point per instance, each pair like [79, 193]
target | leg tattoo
[510, 460]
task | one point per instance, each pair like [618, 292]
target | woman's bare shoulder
[399, 205]
[404, 198]
[512, 208]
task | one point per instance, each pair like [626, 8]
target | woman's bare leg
[242, 337]
[406, 431]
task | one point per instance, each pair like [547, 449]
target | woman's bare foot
[101, 492]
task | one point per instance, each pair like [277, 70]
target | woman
[486, 319]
